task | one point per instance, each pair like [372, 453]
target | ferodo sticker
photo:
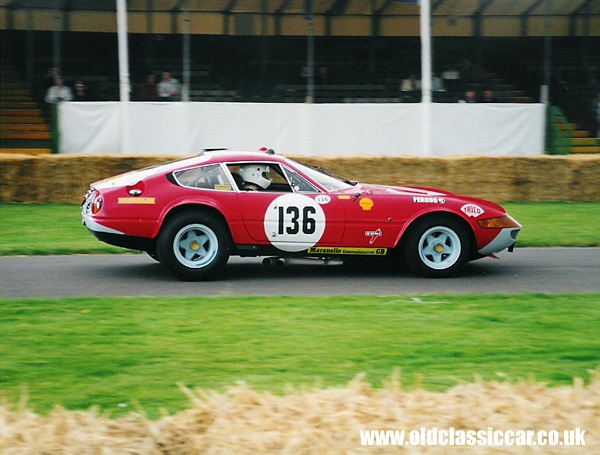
[471, 210]
[294, 222]
[429, 200]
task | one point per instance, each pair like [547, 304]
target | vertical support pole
[426, 74]
[56, 58]
[310, 58]
[263, 47]
[545, 95]
[185, 90]
[149, 36]
[29, 46]
[124, 87]
[375, 20]
[545, 89]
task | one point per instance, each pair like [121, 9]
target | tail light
[97, 204]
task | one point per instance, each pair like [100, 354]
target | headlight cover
[498, 223]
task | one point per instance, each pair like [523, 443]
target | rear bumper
[114, 237]
[121, 240]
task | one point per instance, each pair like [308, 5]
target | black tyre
[153, 255]
[437, 247]
[194, 246]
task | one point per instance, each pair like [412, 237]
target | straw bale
[65, 178]
[11, 167]
[545, 178]
[243, 421]
[487, 177]
[585, 180]
[411, 171]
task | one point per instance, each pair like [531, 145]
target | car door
[291, 214]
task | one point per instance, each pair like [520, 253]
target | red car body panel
[355, 216]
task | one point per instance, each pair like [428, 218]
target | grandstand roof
[325, 7]
[449, 17]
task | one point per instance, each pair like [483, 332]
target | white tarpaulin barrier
[303, 129]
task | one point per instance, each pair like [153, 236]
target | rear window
[209, 177]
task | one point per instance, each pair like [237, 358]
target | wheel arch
[190, 208]
[412, 223]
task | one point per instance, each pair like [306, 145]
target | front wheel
[437, 247]
[194, 246]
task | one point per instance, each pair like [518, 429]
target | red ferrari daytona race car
[192, 214]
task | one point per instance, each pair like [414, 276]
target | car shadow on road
[252, 269]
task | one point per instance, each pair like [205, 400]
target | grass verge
[120, 353]
[50, 229]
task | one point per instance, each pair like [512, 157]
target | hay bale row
[243, 421]
[66, 178]
[62, 178]
[539, 178]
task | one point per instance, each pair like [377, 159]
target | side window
[299, 183]
[209, 177]
[265, 177]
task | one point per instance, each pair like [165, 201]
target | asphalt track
[546, 270]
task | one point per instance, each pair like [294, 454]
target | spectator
[469, 97]
[410, 89]
[488, 97]
[437, 83]
[303, 75]
[59, 92]
[412, 84]
[450, 74]
[168, 88]
[48, 80]
[323, 75]
[451, 78]
[467, 72]
[81, 92]
[148, 91]
[595, 111]
[593, 76]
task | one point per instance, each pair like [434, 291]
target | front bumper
[505, 239]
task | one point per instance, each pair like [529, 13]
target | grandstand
[258, 51]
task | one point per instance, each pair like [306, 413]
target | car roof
[241, 156]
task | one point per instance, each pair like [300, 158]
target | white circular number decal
[294, 222]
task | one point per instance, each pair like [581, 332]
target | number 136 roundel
[192, 214]
[294, 222]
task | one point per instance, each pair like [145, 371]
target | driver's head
[256, 173]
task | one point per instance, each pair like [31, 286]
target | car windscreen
[328, 182]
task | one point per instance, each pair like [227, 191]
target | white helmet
[255, 173]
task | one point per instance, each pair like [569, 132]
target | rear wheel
[194, 246]
[437, 247]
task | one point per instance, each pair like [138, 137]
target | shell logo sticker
[294, 222]
[472, 210]
[366, 203]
